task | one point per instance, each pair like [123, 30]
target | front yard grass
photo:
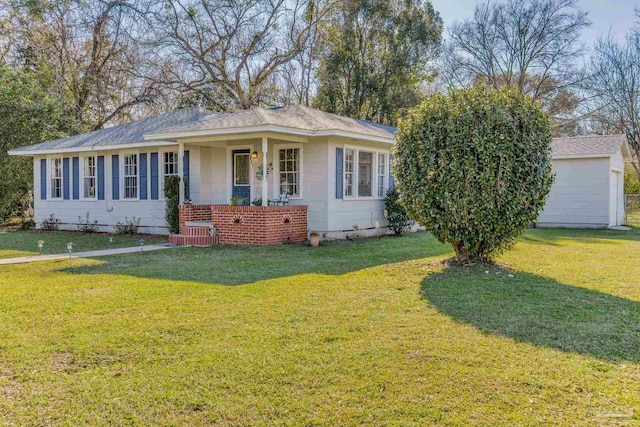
[374, 332]
[25, 243]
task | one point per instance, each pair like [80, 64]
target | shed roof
[587, 146]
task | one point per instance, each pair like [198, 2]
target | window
[131, 176]
[289, 170]
[241, 169]
[348, 171]
[89, 178]
[56, 178]
[170, 164]
[382, 171]
[365, 173]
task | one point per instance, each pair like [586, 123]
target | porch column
[265, 192]
[181, 171]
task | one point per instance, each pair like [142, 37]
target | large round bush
[473, 167]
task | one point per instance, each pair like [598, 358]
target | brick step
[182, 240]
[194, 229]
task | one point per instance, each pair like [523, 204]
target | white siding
[344, 214]
[314, 184]
[579, 196]
[616, 200]
[210, 181]
[108, 212]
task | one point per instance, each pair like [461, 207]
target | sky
[612, 15]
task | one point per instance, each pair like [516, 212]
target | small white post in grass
[69, 248]
[110, 241]
[40, 245]
[141, 244]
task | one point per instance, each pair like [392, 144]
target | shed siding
[579, 196]
[616, 183]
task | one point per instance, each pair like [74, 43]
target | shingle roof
[127, 133]
[292, 116]
[590, 145]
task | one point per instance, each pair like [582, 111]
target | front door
[241, 178]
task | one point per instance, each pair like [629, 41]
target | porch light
[40, 245]
[69, 248]
[254, 155]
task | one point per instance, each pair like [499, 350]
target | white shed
[588, 191]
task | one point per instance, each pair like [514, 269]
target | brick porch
[241, 225]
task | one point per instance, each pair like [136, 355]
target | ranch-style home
[293, 168]
[266, 176]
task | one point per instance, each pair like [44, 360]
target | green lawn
[15, 244]
[373, 332]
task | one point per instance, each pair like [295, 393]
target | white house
[588, 191]
[333, 172]
[338, 167]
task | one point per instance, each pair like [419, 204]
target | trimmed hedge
[473, 167]
[172, 197]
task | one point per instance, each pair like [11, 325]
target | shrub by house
[473, 167]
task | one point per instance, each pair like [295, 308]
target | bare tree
[616, 84]
[92, 49]
[532, 45]
[231, 51]
[298, 77]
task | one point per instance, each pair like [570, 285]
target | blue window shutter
[185, 174]
[115, 177]
[154, 176]
[339, 173]
[100, 177]
[76, 177]
[391, 183]
[65, 179]
[143, 176]
[43, 179]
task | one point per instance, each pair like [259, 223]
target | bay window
[130, 176]
[365, 173]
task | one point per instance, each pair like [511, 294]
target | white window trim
[275, 181]
[356, 178]
[50, 161]
[123, 154]
[81, 178]
[161, 170]
[385, 176]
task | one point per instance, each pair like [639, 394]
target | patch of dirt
[10, 387]
[62, 361]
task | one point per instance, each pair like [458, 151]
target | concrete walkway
[88, 254]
